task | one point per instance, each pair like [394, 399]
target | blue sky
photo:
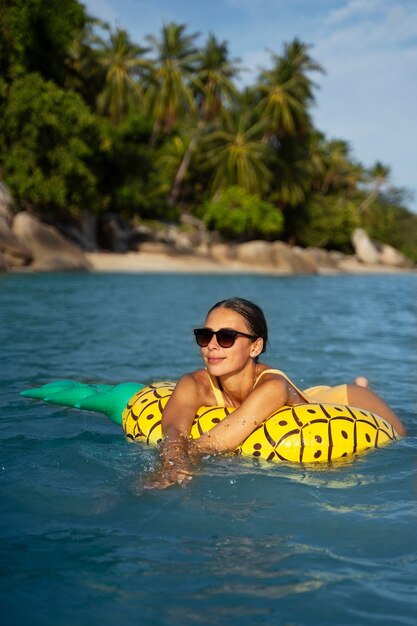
[368, 49]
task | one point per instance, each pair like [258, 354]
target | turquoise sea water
[245, 543]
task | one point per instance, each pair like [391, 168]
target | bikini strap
[280, 373]
[216, 391]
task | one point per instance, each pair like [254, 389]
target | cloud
[102, 9]
[369, 50]
[355, 9]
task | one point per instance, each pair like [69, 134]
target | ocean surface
[245, 543]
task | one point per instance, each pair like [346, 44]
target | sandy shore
[145, 262]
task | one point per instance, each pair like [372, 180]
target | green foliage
[173, 129]
[35, 36]
[170, 94]
[238, 156]
[236, 213]
[329, 223]
[47, 141]
[129, 177]
[121, 62]
[394, 225]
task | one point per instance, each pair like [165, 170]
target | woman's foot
[361, 381]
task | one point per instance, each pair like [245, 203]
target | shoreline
[158, 263]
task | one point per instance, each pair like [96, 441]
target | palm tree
[83, 71]
[122, 63]
[238, 155]
[287, 91]
[341, 173]
[285, 94]
[214, 89]
[292, 176]
[215, 74]
[379, 175]
[171, 94]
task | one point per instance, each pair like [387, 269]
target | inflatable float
[304, 433]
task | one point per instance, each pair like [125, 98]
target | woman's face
[220, 361]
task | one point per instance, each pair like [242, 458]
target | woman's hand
[166, 477]
[175, 465]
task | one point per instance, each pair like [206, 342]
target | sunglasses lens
[225, 338]
[203, 336]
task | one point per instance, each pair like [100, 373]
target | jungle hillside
[93, 123]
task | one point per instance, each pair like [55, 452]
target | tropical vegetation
[91, 121]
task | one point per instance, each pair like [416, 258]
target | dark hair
[252, 314]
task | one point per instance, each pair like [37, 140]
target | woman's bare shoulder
[267, 372]
[198, 377]
[197, 381]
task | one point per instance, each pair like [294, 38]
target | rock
[49, 249]
[323, 259]
[365, 250]
[114, 233]
[255, 252]
[375, 252]
[292, 259]
[302, 263]
[13, 252]
[187, 241]
[157, 247]
[282, 257]
[392, 257]
[4, 267]
[84, 234]
[222, 252]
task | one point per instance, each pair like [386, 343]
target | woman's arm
[175, 465]
[178, 452]
[267, 397]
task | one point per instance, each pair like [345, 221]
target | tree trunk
[184, 165]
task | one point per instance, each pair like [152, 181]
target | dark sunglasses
[225, 337]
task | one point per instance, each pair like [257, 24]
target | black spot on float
[256, 454]
[318, 439]
[150, 416]
[282, 423]
[257, 446]
[344, 454]
[311, 410]
[367, 437]
[344, 434]
[215, 420]
[159, 441]
[317, 454]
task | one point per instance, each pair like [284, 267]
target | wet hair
[251, 313]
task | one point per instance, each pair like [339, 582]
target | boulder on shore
[390, 256]
[256, 252]
[365, 250]
[13, 253]
[292, 259]
[50, 251]
[375, 252]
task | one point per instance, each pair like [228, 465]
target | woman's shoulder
[195, 384]
[198, 378]
[265, 371]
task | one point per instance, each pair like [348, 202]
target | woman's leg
[363, 398]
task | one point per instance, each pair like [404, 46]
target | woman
[234, 335]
